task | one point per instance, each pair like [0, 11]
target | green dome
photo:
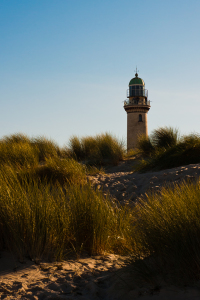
[136, 80]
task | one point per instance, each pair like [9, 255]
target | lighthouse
[137, 106]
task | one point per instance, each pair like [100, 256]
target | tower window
[140, 118]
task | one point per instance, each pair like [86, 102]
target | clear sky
[65, 65]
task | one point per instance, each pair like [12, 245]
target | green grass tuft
[167, 230]
[99, 150]
[165, 137]
[42, 220]
[168, 153]
[56, 171]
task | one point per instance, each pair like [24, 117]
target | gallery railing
[128, 102]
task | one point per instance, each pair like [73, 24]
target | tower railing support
[128, 102]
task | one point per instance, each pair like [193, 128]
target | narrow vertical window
[140, 118]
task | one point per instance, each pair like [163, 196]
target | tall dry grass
[167, 230]
[56, 171]
[22, 151]
[47, 208]
[43, 220]
[98, 150]
[165, 149]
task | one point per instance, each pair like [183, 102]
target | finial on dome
[136, 74]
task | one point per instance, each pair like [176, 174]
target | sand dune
[124, 184]
[102, 277]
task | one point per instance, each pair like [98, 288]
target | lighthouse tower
[137, 106]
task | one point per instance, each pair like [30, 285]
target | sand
[101, 277]
[123, 184]
[89, 278]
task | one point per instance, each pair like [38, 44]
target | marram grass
[48, 210]
[43, 220]
[164, 149]
[98, 150]
[22, 152]
[168, 229]
[56, 171]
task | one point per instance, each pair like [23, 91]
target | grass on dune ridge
[166, 149]
[49, 210]
[99, 150]
[47, 206]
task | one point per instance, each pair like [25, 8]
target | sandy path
[86, 278]
[96, 278]
[90, 278]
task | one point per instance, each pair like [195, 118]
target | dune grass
[167, 231]
[47, 207]
[165, 149]
[49, 210]
[20, 151]
[98, 150]
[39, 219]
[18, 154]
[56, 171]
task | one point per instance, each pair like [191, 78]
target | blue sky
[65, 65]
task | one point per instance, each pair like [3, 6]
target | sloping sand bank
[124, 184]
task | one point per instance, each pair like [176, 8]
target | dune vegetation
[167, 231]
[165, 149]
[47, 206]
[49, 209]
[98, 150]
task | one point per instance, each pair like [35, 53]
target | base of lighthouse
[136, 126]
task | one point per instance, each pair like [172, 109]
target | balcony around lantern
[132, 92]
[136, 103]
